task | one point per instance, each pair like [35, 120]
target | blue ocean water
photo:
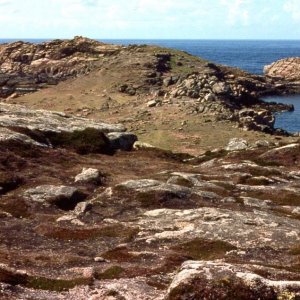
[289, 121]
[249, 55]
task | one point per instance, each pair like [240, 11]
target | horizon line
[160, 39]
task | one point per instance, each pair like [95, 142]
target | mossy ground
[201, 249]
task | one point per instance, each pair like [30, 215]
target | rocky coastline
[205, 87]
[89, 211]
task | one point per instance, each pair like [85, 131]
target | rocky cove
[94, 205]
[287, 120]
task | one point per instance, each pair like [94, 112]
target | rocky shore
[89, 212]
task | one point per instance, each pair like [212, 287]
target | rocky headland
[285, 74]
[162, 76]
[88, 211]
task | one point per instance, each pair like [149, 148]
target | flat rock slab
[239, 228]
[48, 121]
[7, 135]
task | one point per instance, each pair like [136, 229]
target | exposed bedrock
[285, 74]
[55, 129]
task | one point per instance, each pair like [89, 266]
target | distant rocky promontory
[285, 74]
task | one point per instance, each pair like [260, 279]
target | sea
[249, 55]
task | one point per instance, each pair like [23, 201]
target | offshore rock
[285, 74]
[287, 69]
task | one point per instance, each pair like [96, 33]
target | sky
[151, 19]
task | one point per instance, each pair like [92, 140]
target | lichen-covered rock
[7, 135]
[219, 280]
[48, 121]
[46, 128]
[241, 229]
[88, 175]
[65, 197]
[237, 144]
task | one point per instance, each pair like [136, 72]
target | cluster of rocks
[47, 63]
[226, 99]
[258, 120]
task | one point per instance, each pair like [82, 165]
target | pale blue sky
[151, 19]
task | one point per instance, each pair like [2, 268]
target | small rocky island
[95, 205]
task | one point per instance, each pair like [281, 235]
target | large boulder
[122, 140]
[220, 280]
[47, 128]
[65, 197]
[287, 69]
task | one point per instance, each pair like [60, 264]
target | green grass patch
[200, 249]
[113, 272]
[57, 285]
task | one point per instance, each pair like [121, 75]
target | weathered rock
[235, 227]
[152, 103]
[88, 175]
[48, 63]
[147, 185]
[122, 140]
[46, 128]
[219, 280]
[65, 197]
[7, 135]
[220, 88]
[287, 69]
[260, 120]
[48, 121]
[237, 144]
[141, 145]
